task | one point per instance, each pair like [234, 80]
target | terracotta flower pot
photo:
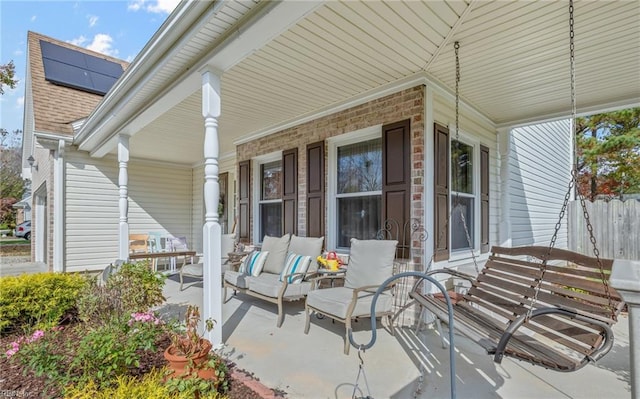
[183, 366]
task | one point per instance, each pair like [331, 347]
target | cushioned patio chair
[196, 269]
[370, 264]
[289, 264]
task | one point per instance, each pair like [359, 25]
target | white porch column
[625, 278]
[212, 232]
[123, 201]
[58, 208]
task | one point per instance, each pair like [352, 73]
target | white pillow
[254, 262]
[295, 264]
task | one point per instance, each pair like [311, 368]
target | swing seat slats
[571, 318]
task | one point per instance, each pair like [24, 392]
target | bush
[39, 300]
[151, 386]
[133, 288]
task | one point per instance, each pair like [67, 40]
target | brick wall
[406, 104]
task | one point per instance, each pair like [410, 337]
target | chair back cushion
[310, 246]
[295, 264]
[277, 248]
[370, 262]
[254, 263]
[228, 242]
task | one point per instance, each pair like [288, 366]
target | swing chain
[573, 183]
[456, 47]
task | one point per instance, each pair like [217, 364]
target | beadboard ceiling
[514, 58]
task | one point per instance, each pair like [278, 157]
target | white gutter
[143, 68]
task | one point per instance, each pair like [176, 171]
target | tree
[8, 76]
[609, 153]
[11, 183]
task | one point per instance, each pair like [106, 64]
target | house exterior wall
[537, 167]
[42, 183]
[227, 165]
[405, 104]
[159, 201]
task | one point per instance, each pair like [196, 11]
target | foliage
[132, 288]
[609, 153]
[39, 300]
[194, 385]
[111, 349]
[12, 186]
[151, 386]
[186, 341]
[8, 76]
[39, 353]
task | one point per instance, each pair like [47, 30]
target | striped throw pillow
[295, 264]
[254, 262]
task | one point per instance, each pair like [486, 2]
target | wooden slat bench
[570, 323]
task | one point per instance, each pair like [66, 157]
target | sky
[119, 28]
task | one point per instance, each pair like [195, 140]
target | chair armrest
[604, 348]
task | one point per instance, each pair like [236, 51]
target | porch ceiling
[514, 65]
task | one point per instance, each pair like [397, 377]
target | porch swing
[547, 306]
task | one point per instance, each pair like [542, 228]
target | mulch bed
[17, 381]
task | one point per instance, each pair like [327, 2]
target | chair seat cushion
[193, 269]
[269, 284]
[335, 301]
[237, 279]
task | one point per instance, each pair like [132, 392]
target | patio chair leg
[181, 280]
[392, 329]
[280, 313]
[439, 327]
[347, 327]
[308, 319]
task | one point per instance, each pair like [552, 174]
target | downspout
[58, 208]
[504, 152]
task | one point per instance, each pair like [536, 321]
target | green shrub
[133, 288]
[39, 300]
[151, 386]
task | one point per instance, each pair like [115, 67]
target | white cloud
[79, 41]
[20, 101]
[33, 18]
[102, 43]
[154, 6]
[93, 19]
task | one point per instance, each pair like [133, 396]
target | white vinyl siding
[159, 200]
[539, 164]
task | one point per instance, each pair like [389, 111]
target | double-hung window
[270, 201]
[355, 179]
[461, 200]
[463, 196]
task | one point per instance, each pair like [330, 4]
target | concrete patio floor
[314, 366]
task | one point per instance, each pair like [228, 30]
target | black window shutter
[290, 191]
[484, 199]
[244, 201]
[315, 189]
[396, 180]
[441, 200]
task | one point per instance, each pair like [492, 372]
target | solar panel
[75, 69]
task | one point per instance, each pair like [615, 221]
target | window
[356, 185]
[270, 202]
[463, 196]
[461, 183]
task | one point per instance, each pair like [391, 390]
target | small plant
[187, 342]
[196, 386]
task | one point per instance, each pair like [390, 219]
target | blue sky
[119, 28]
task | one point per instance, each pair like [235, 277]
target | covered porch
[219, 79]
[313, 365]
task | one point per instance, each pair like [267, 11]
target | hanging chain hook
[356, 388]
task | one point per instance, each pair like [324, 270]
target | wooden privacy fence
[616, 227]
